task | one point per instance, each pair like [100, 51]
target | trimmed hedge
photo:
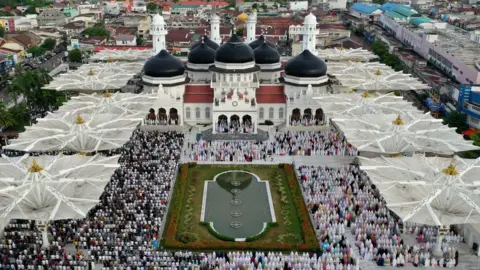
[216, 234]
[262, 234]
[171, 241]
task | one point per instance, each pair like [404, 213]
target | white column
[158, 32]
[251, 25]
[215, 29]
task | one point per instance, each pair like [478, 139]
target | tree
[152, 7]
[239, 31]
[97, 31]
[139, 41]
[458, 120]
[30, 10]
[6, 118]
[476, 138]
[21, 115]
[255, 6]
[36, 51]
[49, 44]
[75, 56]
[5, 13]
[2, 32]
[263, 6]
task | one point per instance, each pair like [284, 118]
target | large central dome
[164, 65]
[235, 51]
[306, 65]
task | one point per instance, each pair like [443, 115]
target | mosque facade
[239, 81]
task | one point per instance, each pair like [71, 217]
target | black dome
[306, 65]
[164, 65]
[234, 51]
[207, 41]
[259, 42]
[202, 54]
[266, 55]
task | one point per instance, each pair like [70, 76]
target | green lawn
[186, 207]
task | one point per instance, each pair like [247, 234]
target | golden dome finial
[107, 94]
[91, 73]
[341, 47]
[378, 72]
[396, 155]
[450, 170]
[357, 60]
[242, 17]
[82, 153]
[365, 94]
[79, 120]
[110, 59]
[35, 167]
[398, 121]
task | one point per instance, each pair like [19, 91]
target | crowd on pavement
[342, 199]
[290, 143]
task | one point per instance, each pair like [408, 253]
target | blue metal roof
[391, 6]
[364, 8]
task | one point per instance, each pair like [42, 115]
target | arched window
[260, 113]
[270, 113]
[187, 113]
[207, 112]
[280, 113]
[197, 113]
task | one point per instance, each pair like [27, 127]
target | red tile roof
[179, 35]
[270, 94]
[200, 93]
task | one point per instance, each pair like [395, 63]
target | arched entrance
[307, 114]
[234, 122]
[222, 124]
[151, 115]
[162, 115]
[247, 124]
[319, 117]
[173, 114]
[296, 114]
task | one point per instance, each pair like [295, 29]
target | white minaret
[215, 29]
[158, 32]
[310, 33]
[251, 25]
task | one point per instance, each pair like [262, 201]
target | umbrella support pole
[437, 251]
[43, 228]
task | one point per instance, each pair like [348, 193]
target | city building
[298, 5]
[51, 17]
[469, 103]
[447, 47]
[366, 12]
[125, 40]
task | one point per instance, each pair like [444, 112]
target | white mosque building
[237, 82]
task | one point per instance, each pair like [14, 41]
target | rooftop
[456, 41]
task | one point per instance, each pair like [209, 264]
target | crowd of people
[234, 127]
[123, 229]
[343, 201]
[291, 143]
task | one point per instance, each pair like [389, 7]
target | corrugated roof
[419, 20]
[405, 11]
[392, 6]
[364, 8]
[270, 94]
[395, 15]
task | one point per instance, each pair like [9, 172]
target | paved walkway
[207, 135]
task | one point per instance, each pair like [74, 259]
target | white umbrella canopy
[94, 77]
[79, 133]
[47, 188]
[357, 68]
[364, 103]
[393, 134]
[342, 54]
[113, 103]
[428, 190]
[380, 80]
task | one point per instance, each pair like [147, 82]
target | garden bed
[292, 231]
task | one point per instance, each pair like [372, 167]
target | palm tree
[7, 120]
[14, 91]
[21, 114]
